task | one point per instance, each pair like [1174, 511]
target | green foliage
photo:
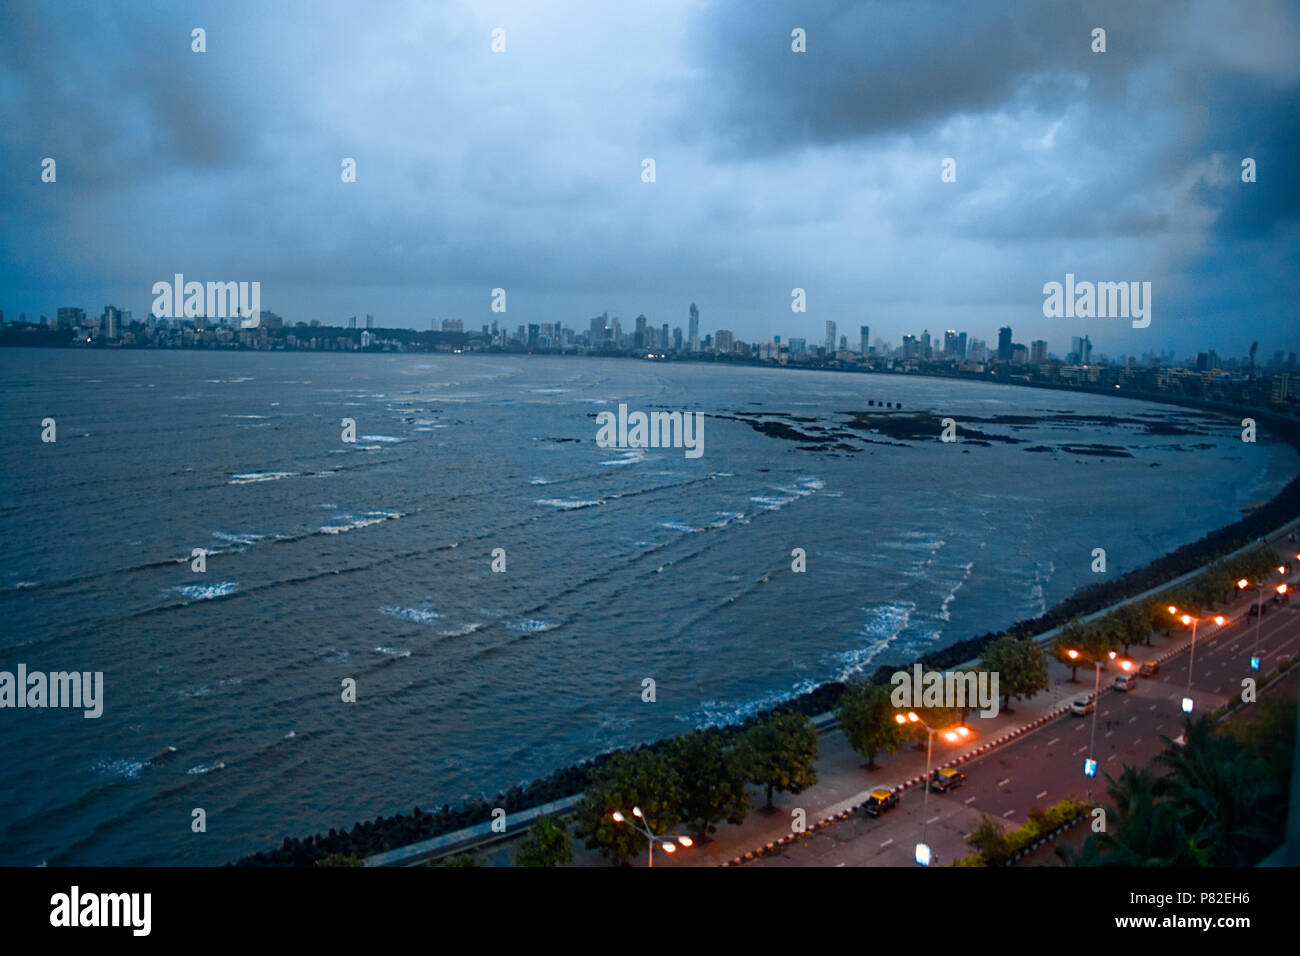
[783, 749]
[867, 719]
[989, 840]
[640, 778]
[462, 859]
[714, 777]
[547, 845]
[340, 859]
[973, 860]
[995, 845]
[1021, 666]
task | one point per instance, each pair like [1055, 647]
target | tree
[547, 845]
[989, 839]
[867, 719]
[640, 778]
[783, 746]
[714, 777]
[1021, 666]
[1073, 637]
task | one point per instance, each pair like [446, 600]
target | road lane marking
[1081, 750]
[1052, 741]
[932, 819]
[1131, 719]
[839, 864]
[969, 800]
[887, 842]
[1008, 813]
[1004, 782]
[1152, 707]
[1041, 795]
[1138, 741]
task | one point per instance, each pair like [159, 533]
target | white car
[1083, 706]
[1125, 682]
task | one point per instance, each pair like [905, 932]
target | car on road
[1125, 682]
[1149, 668]
[880, 800]
[946, 779]
[1082, 706]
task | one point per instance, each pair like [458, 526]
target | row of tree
[697, 781]
[1134, 623]
[868, 717]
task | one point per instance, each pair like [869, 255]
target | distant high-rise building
[352, 322]
[1019, 354]
[830, 335]
[693, 324]
[111, 322]
[638, 336]
[453, 325]
[68, 318]
[677, 338]
[950, 343]
[370, 321]
[1038, 352]
[925, 347]
[724, 340]
[798, 346]
[864, 336]
[1004, 344]
[663, 337]
[961, 346]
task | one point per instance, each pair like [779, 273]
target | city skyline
[774, 170]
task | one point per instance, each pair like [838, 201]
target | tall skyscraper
[370, 321]
[864, 335]
[693, 327]
[639, 337]
[950, 343]
[961, 346]
[830, 335]
[1004, 344]
[1038, 352]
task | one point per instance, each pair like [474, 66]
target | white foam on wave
[231, 537]
[531, 625]
[392, 652]
[569, 504]
[206, 592]
[252, 476]
[539, 480]
[416, 615]
[462, 630]
[201, 769]
[120, 767]
[631, 457]
[353, 522]
[381, 438]
[679, 526]
[883, 623]
[719, 713]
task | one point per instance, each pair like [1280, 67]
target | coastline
[382, 834]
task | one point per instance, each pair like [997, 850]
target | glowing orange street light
[1073, 654]
[667, 842]
[1172, 609]
[1281, 589]
[1186, 619]
[1220, 620]
[1243, 584]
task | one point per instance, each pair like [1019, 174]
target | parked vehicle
[1125, 682]
[879, 801]
[1083, 706]
[1149, 669]
[945, 779]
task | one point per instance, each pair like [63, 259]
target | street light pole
[1096, 706]
[669, 846]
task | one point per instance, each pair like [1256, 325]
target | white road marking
[1138, 741]
[1002, 783]
[969, 800]
[1131, 719]
[1152, 707]
[887, 842]
[1008, 813]
[932, 819]
[1081, 750]
[1041, 795]
[1052, 741]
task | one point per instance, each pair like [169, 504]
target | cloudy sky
[523, 169]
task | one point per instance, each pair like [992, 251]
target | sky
[774, 169]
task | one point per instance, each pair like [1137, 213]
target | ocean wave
[416, 615]
[121, 767]
[200, 769]
[252, 476]
[231, 537]
[371, 517]
[531, 625]
[569, 504]
[717, 713]
[381, 438]
[392, 652]
[206, 592]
